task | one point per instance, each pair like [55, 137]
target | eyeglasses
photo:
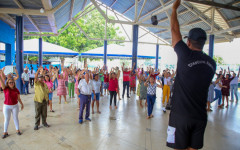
[11, 82]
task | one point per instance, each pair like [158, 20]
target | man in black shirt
[195, 70]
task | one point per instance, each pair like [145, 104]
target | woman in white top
[234, 86]
[217, 89]
[32, 76]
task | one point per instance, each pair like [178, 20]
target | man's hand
[175, 27]
[176, 4]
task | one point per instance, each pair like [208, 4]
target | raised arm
[123, 66]
[173, 74]
[133, 66]
[159, 85]
[2, 80]
[175, 28]
[238, 72]
[224, 72]
[3, 75]
[146, 83]
[36, 75]
[118, 75]
[17, 75]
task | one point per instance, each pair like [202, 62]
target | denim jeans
[25, 87]
[218, 95]
[55, 84]
[234, 91]
[150, 101]
[125, 83]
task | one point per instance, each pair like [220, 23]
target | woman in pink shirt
[50, 86]
[61, 89]
[113, 88]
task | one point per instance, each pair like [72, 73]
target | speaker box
[154, 20]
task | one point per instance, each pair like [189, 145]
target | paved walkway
[123, 129]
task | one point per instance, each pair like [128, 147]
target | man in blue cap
[195, 70]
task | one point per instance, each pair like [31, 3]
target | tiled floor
[123, 129]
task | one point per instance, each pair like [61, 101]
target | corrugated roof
[223, 18]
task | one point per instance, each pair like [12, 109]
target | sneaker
[164, 109]
[80, 121]
[128, 96]
[65, 102]
[88, 119]
[36, 128]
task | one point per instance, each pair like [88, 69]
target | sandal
[19, 133]
[4, 136]
[46, 125]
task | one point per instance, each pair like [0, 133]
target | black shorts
[185, 132]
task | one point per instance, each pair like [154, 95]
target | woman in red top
[12, 97]
[132, 82]
[106, 82]
[113, 88]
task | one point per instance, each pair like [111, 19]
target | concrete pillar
[40, 53]
[105, 53]
[19, 51]
[211, 46]
[157, 56]
[135, 45]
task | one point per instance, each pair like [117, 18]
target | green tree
[219, 60]
[93, 25]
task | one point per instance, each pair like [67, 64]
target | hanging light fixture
[42, 10]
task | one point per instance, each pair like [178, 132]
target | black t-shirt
[195, 71]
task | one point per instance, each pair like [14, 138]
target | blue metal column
[211, 45]
[135, 45]
[157, 56]
[105, 53]
[19, 51]
[8, 54]
[40, 54]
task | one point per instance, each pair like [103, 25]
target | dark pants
[113, 94]
[40, 110]
[150, 101]
[85, 100]
[31, 82]
[125, 83]
[101, 87]
[25, 87]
